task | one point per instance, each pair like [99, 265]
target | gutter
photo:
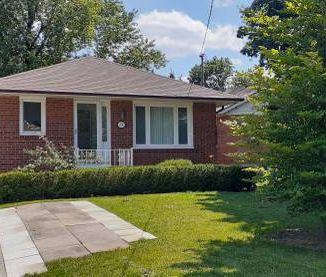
[120, 95]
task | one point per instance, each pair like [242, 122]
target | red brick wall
[224, 141]
[121, 138]
[59, 129]
[205, 137]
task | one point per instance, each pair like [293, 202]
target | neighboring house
[111, 114]
[225, 139]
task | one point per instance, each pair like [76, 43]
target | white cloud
[177, 34]
[236, 62]
[224, 3]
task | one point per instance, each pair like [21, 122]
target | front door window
[87, 126]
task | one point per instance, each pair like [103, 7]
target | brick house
[111, 114]
[225, 139]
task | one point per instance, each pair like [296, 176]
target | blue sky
[178, 28]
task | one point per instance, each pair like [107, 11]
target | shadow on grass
[254, 254]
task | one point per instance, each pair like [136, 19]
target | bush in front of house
[22, 186]
[175, 163]
[49, 157]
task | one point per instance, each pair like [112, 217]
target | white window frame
[42, 101]
[99, 103]
[175, 107]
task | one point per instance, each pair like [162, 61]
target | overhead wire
[205, 35]
[207, 26]
[156, 202]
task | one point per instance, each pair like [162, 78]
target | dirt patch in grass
[302, 238]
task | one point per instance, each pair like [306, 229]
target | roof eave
[90, 94]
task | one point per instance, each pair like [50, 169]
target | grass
[201, 234]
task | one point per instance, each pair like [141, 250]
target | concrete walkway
[32, 235]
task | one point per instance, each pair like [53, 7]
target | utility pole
[202, 56]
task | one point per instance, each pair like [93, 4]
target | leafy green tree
[288, 138]
[36, 33]
[216, 73]
[41, 32]
[240, 79]
[251, 29]
[118, 38]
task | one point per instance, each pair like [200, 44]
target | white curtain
[162, 125]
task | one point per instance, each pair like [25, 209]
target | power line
[207, 26]
[205, 37]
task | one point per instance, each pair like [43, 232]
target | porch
[88, 158]
[93, 136]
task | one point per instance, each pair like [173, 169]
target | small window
[104, 124]
[140, 125]
[183, 125]
[32, 117]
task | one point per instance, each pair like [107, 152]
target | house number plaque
[121, 125]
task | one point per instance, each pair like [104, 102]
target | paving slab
[25, 265]
[72, 251]
[36, 233]
[2, 266]
[91, 234]
[68, 214]
[97, 238]
[133, 231]
[20, 254]
[50, 236]
[113, 222]
[2, 270]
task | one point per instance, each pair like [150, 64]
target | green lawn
[201, 234]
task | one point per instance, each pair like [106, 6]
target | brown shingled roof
[241, 92]
[94, 76]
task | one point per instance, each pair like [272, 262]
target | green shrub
[49, 157]
[176, 163]
[21, 186]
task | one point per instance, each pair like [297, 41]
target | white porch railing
[103, 157]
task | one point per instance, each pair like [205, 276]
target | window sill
[32, 134]
[163, 147]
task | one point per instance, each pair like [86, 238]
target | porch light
[123, 115]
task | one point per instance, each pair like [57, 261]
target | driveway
[35, 234]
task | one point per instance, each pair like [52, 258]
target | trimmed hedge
[176, 163]
[22, 186]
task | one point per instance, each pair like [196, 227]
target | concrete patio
[35, 234]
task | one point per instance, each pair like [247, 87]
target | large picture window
[32, 116]
[163, 126]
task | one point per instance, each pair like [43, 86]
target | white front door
[92, 125]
